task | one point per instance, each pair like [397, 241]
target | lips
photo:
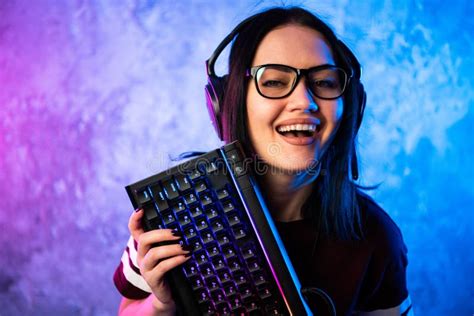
[299, 131]
[310, 128]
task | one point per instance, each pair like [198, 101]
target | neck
[285, 194]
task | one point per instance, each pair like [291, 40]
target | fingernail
[189, 254]
[138, 209]
[187, 247]
[177, 233]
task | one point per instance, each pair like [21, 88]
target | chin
[286, 166]
[281, 158]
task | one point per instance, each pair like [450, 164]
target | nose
[302, 99]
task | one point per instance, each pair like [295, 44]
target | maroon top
[360, 275]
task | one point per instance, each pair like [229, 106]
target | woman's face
[269, 120]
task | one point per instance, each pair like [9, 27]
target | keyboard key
[225, 276]
[190, 198]
[239, 232]
[213, 250]
[217, 225]
[222, 194]
[211, 167]
[195, 211]
[196, 282]
[264, 293]
[222, 238]
[168, 217]
[239, 169]
[143, 196]
[207, 308]
[253, 266]
[201, 258]
[200, 186]
[150, 211]
[207, 271]
[233, 156]
[230, 289]
[218, 263]
[179, 207]
[228, 251]
[248, 252]
[159, 196]
[218, 296]
[212, 284]
[190, 269]
[245, 292]
[228, 206]
[272, 309]
[182, 182]
[201, 223]
[234, 265]
[193, 175]
[155, 223]
[211, 213]
[259, 279]
[206, 237]
[205, 199]
[223, 308]
[196, 243]
[203, 296]
[233, 219]
[171, 191]
[252, 305]
[240, 280]
[184, 219]
[190, 232]
[235, 303]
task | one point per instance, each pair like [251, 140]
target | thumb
[135, 224]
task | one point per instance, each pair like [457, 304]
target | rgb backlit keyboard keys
[226, 275]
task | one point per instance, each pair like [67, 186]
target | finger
[156, 276]
[148, 239]
[166, 265]
[170, 263]
[135, 224]
[156, 255]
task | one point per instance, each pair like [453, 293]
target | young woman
[294, 100]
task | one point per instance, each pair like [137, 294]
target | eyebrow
[312, 67]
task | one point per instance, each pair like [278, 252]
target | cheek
[334, 111]
[260, 112]
[250, 108]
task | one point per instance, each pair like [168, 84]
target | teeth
[297, 127]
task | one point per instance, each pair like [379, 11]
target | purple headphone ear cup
[216, 86]
[215, 89]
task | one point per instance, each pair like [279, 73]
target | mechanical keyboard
[238, 264]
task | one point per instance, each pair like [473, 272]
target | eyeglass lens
[278, 81]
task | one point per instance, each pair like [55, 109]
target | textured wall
[97, 94]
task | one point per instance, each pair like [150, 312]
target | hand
[154, 261]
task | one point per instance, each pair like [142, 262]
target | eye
[328, 83]
[274, 78]
[273, 84]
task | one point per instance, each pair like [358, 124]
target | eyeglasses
[274, 81]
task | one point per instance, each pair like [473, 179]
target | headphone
[216, 86]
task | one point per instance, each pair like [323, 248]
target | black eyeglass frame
[300, 72]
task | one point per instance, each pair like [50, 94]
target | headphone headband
[212, 60]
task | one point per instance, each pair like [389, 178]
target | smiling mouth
[298, 130]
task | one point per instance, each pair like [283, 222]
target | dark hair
[334, 191]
